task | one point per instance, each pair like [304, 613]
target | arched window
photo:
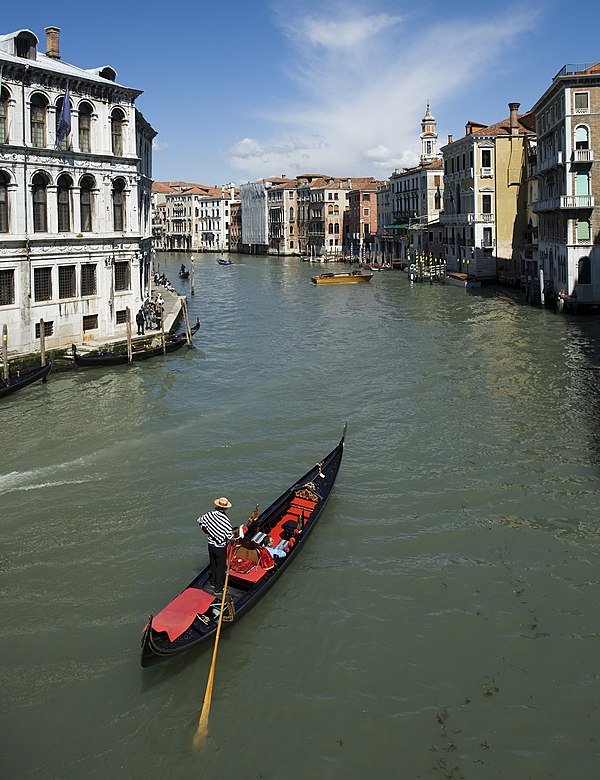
[85, 203]
[40, 210]
[116, 131]
[85, 127]
[582, 230]
[63, 131]
[584, 275]
[3, 202]
[118, 200]
[291, 213]
[331, 228]
[3, 116]
[64, 203]
[336, 228]
[437, 200]
[38, 109]
[582, 137]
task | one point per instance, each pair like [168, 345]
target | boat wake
[39, 478]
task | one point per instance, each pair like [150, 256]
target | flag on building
[63, 128]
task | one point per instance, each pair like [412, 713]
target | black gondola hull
[156, 646]
[18, 382]
[172, 344]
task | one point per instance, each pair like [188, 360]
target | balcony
[550, 162]
[457, 219]
[582, 156]
[486, 218]
[564, 202]
[486, 173]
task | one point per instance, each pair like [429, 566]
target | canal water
[443, 619]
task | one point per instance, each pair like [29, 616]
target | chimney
[449, 139]
[52, 49]
[514, 123]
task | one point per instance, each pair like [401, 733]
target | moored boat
[352, 277]
[192, 616]
[461, 280]
[103, 358]
[14, 383]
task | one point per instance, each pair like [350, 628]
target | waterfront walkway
[172, 310]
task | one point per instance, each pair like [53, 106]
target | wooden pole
[202, 730]
[162, 329]
[42, 343]
[192, 275]
[186, 318]
[5, 352]
[129, 349]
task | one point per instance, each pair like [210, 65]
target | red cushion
[304, 502]
[179, 615]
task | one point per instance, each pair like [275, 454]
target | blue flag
[63, 128]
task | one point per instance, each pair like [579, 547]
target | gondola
[184, 274]
[192, 616]
[96, 359]
[14, 383]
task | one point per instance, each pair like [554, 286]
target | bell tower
[428, 137]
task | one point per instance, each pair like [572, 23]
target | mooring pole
[129, 348]
[5, 352]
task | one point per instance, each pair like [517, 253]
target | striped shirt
[217, 527]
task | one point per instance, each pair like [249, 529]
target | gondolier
[219, 531]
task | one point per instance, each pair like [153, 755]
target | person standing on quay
[139, 318]
[218, 529]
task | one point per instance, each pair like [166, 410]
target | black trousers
[217, 557]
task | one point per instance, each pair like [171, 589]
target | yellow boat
[341, 278]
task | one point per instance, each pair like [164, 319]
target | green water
[442, 621]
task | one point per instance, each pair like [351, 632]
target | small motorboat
[352, 277]
[224, 261]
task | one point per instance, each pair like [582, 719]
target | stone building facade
[485, 198]
[75, 197]
[568, 179]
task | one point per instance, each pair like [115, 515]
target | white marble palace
[75, 197]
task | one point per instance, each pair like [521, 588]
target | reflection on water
[446, 608]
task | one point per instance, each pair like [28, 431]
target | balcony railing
[486, 218]
[564, 202]
[486, 173]
[549, 162]
[582, 156]
[456, 219]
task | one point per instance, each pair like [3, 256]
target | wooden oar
[202, 730]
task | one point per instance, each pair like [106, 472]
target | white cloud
[363, 85]
[336, 33]
[159, 146]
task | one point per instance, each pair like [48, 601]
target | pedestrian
[148, 310]
[139, 318]
[218, 529]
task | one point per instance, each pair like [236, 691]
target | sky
[245, 89]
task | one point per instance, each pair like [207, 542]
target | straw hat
[222, 503]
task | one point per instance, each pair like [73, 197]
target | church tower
[428, 137]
